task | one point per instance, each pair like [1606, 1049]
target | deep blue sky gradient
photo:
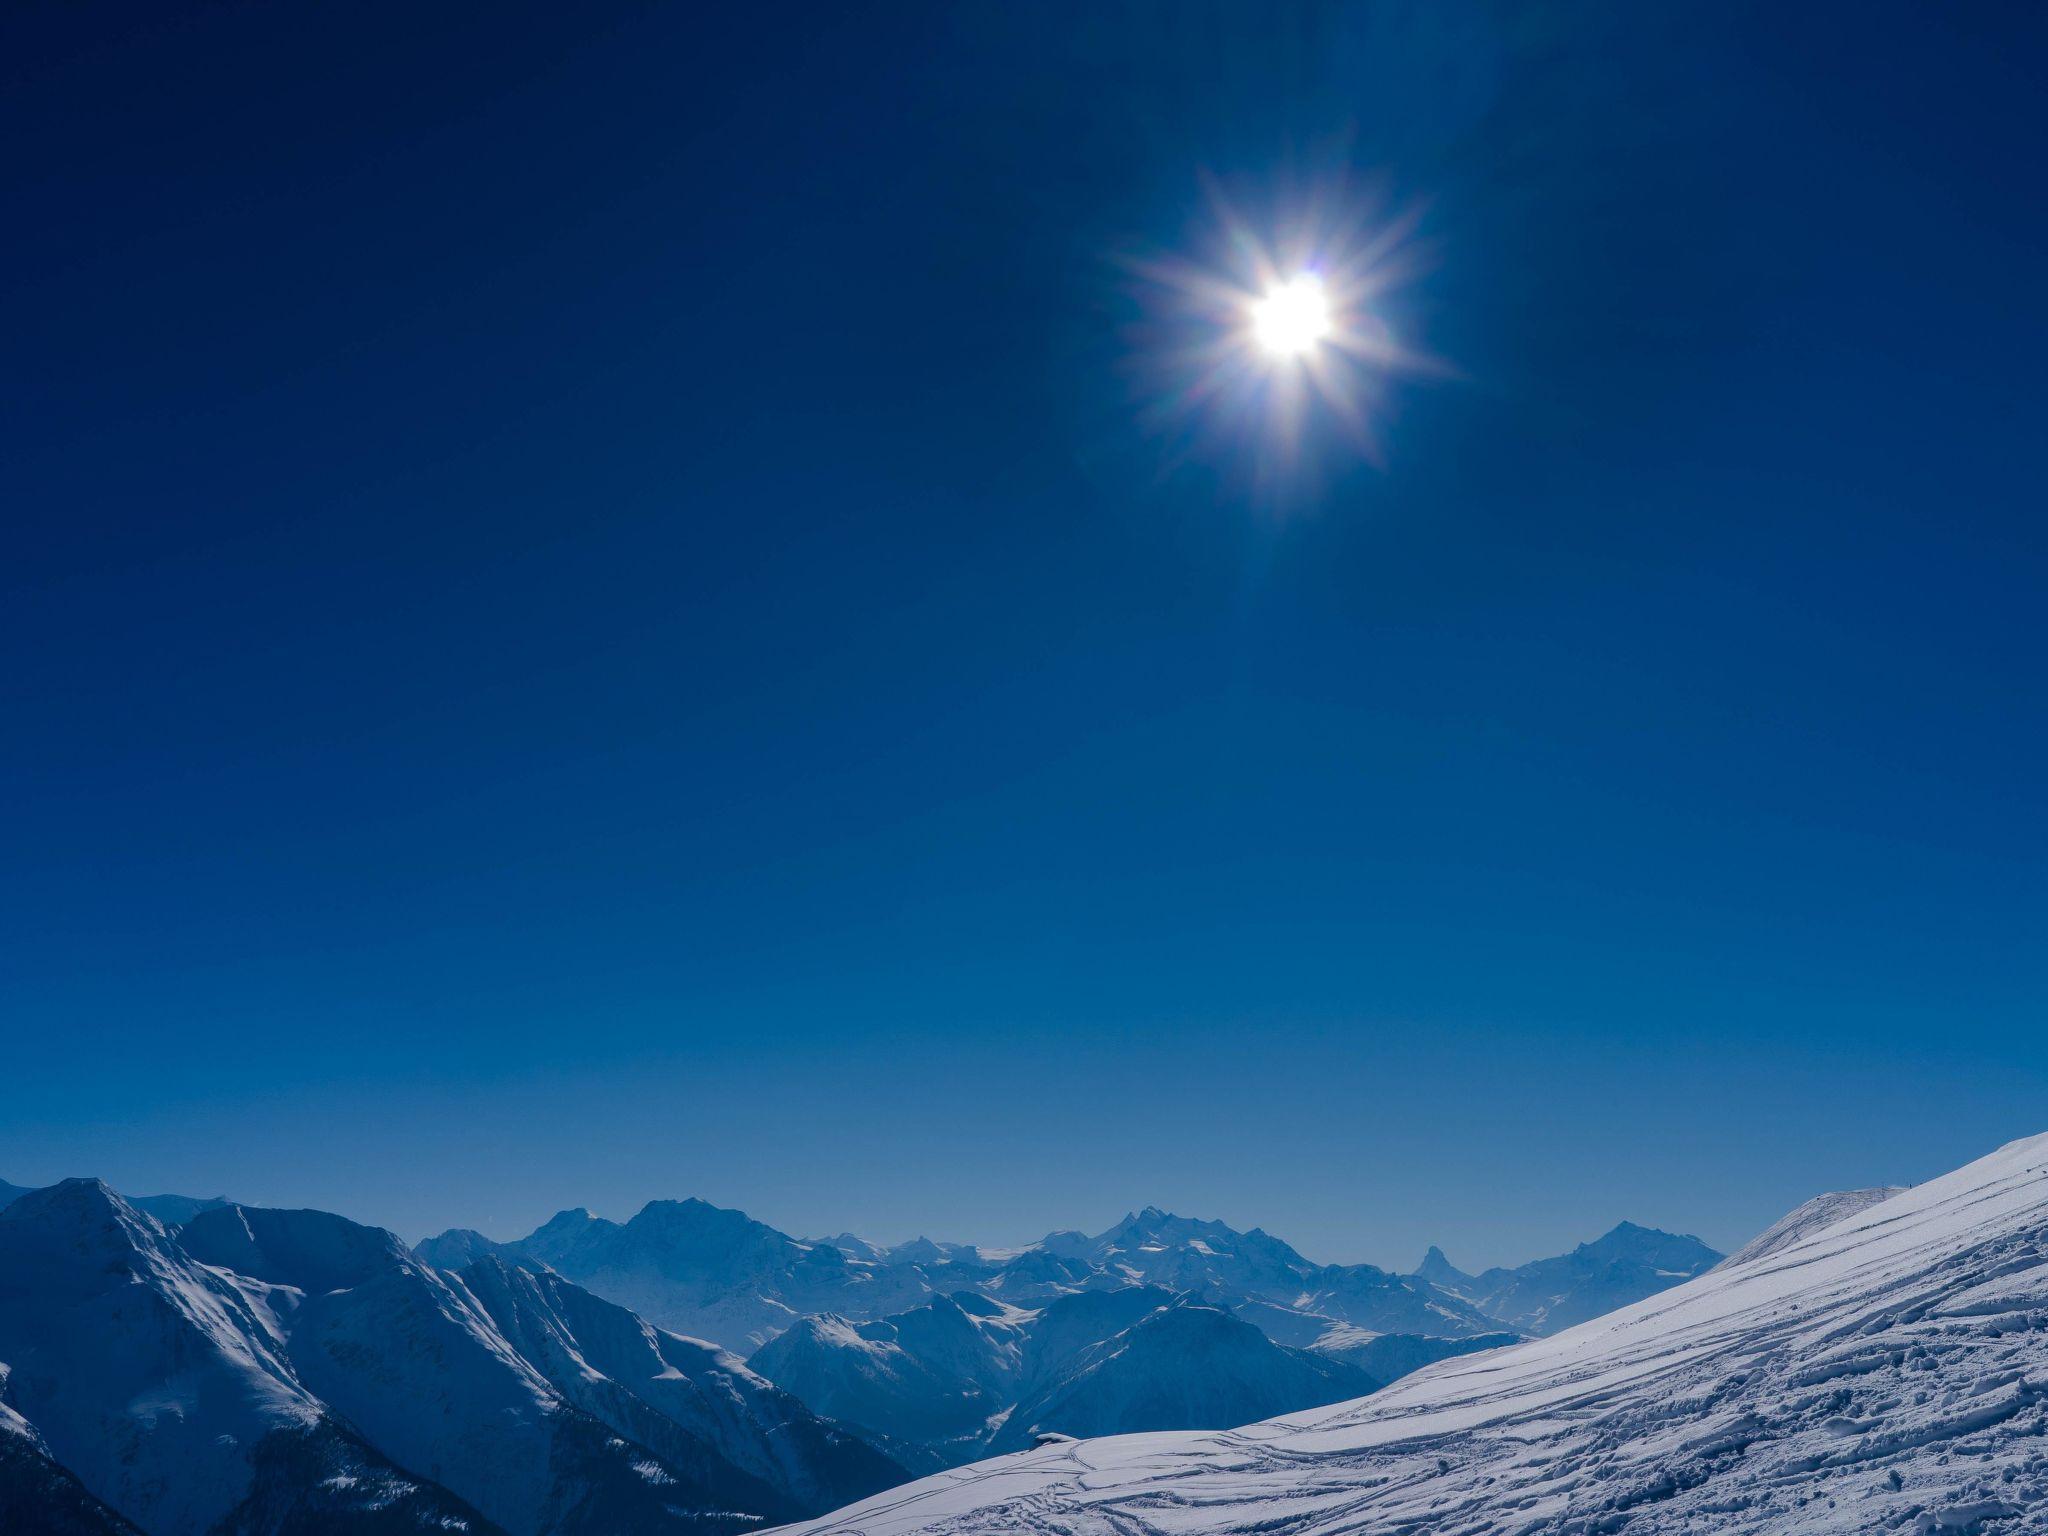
[590, 610]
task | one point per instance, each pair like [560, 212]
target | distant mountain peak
[689, 1205]
[89, 1208]
[314, 1251]
[574, 1216]
[1439, 1270]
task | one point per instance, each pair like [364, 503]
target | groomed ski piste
[1885, 1373]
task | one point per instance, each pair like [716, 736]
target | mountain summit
[718, 1274]
[1548, 1295]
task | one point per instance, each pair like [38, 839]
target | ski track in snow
[1887, 1373]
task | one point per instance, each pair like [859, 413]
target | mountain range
[963, 1376]
[183, 1365]
[268, 1371]
[171, 1210]
[719, 1274]
[1880, 1366]
[1549, 1295]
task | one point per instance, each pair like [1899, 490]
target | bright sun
[1292, 317]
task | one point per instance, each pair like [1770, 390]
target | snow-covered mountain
[1820, 1211]
[616, 1367]
[1548, 1295]
[963, 1375]
[258, 1372]
[163, 1386]
[918, 1250]
[409, 1357]
[1181, 1366]
[719, 1274]
[459, 1246]
[544, 1406]
[1390, 1356]
[712, 1273]
[926, 1382]
[171, 1210]
[1180, 1253]
[1887, 1372]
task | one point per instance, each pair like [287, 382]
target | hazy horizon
[1486, 1249]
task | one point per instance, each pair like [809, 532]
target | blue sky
[593, 610]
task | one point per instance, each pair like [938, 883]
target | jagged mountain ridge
[163, 1386]
[264, 1371]
[171, 1210]
[386, 1363]
[1624, 1265]
[595, 1350]
[1887, 1372]
[718, 1274]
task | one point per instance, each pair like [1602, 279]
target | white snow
[1885, 1372]
[1802, 1220]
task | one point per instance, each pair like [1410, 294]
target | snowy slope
[412, 1358]
[929, 1378]
[963, 1376]
[163, 1386]
[1808, 1218]
[737, 1434]
[1888, 1372]
[144, 1374]
[1180, 1367]
[459, 1246]
[37, 1495]
[1390, 1356]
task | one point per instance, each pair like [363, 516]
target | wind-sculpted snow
[1887, 1373]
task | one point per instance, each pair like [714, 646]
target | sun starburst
[1246, 347]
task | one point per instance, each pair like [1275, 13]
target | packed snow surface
[1887, 1372]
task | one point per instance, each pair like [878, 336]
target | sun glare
[1293, 317]
[1272, 344]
